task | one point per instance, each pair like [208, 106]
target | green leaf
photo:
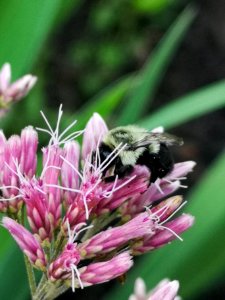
[67, 8]
[13, 283]
[104, 103]
[200, 259]
[24, 27]
[151, 6]
[188, 107]
[154, 69]
[108, 100]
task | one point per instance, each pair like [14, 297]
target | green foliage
[24, 27]
[105, 103]
[188, 107]
[152, 6]
[119, 45]
[24, 30]
[150, 76]
[13, 284]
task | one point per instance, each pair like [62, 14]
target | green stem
[41, 283]
[30, 275]
[98, 224]
[49, 291]
[59, 244]
[60, 290]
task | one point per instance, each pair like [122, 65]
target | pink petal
[166, 291]
[21, 87]
[95, 129]
[5, 76]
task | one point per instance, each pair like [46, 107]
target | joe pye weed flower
[14, 92]
[83, 230]
[165, 290]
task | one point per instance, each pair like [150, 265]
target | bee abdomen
[160, 164]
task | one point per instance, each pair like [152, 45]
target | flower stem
[98, 224]
[59, 244]
[30, 275]
[49, 291]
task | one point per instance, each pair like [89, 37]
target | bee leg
[151, 161]
[122, 171]
[110, 178]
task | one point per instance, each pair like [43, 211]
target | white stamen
[53, 167]
[71, 136]
[148, 210]
[184, 203]
[39, 190]
[47, 161]
[74, 234]
[183, 186]
[93, 187]
[69, 231]
[75, 191]
[178, 179]
[67, 129]
[63, 188]
[156, 218]
[43, 130]
[119, 187]
[81, 230]
[89, 164]
[109, 193]
[9, 187]
[58, 121]
[158, 187]
[104, 164]
[47, 123]
[125, 183]
[72, 166]
[54, 134]
[12, 198]
[170, 230]
[153, 217]
[17, 172]
[97, 153]
[86, 208]
[73, 278]
[85, 198]
[11, 169]
[74, 268]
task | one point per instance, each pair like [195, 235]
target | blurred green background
[151, 62]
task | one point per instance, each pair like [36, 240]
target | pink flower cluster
[13, 92]
[82, 229]
[165, 290]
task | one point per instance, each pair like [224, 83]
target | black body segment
[119, 169]
[160, 164]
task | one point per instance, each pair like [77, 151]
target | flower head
[18, 160]
[27, 242]
[165, 290]
[13, 92]
[87, 227]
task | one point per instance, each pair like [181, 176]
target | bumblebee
[132, 146]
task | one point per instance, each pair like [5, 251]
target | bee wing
[154, 137]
